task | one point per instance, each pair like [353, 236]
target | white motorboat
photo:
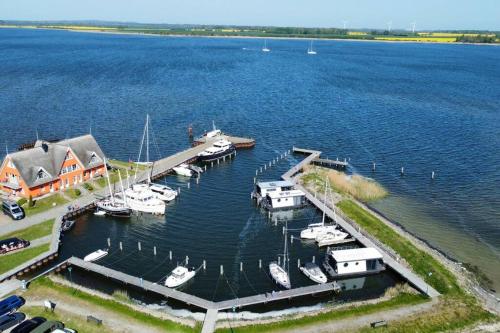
[220, 149]
[280, 273]
[331, 238]
[99, 213]
[141, 198]
[179, 276]
[96, 255]
[265, 48]
[183, 170]
[163, 192]
[313, 272]
[214, 132]
[310, 50]
[314, 230]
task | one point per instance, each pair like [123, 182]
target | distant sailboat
[310, 50]
[265, 49]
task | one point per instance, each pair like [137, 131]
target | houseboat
[12, 244]
[284, 200]
[220, 149]
[352, 262]
[263, 188]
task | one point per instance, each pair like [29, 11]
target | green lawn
[37, 231]
[127, 165]
[42, 205]
[113, 177]
[10, 261]
[73, 193]
[37, 287]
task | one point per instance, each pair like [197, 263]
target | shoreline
[117, 32]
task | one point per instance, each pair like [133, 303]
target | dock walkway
[389, 259]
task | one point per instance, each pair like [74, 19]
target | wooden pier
[331, 163]
[390, 259]
[165, 165]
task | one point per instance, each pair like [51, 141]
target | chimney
[45, 147]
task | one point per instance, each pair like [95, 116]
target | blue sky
[428, 14]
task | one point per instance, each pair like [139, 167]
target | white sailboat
[316, 229]
[111, 206]
[179, 276]
[265, 49]
[331, 238]
[279, 273]
[310, 50]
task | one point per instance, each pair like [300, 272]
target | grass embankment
[73, 193]
[44, 204]
[34, 232]
[348, 312]
[14, 259]
[124, 168]
[361, 188]
[44, 287]
[456, 309]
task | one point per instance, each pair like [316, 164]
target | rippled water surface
[421, 106]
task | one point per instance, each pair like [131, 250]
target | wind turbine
[389, 26]
[344, 23]
[413, 24]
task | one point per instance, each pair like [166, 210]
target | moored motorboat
[220, 149]
[313, 272]
[163, 192]
[67, 225]
[331, 238]
[96, 255]
[99, 212]
[183, 170]
[179, 276]
[141, 198]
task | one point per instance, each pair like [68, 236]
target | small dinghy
[313, 272]
[67, 225]
[96, 255]
[183, 170]
[179, 276]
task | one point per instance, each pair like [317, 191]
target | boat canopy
[275, 184]
[368, 253]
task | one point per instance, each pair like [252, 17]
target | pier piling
[374, 166]
[170, 254]
[260, 169]
[212, 164]
[109, 242]
[178, 190]
[198, 179]
[256, 172]
[298, 262]
[432, 175]
[154, 250]
[189, 185]
[204, 264]
[314, 259]
[205, 167]
[221, 270]
[260, 263]
[241, 266]
[139, 246]
[265, 166]
[291, 239]
[187, 260]
[402, 171]
[121, 246]
[279, 260]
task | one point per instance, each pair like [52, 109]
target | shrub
[21, 201]
[31, 203]
[88, 187]
[78, 192]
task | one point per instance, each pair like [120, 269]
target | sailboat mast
[121, 185]
[324, 207]
[109, 182]
[140, 149]
[286, 249]
[147, 138]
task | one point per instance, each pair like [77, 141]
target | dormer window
[41, 174]
[94, 158]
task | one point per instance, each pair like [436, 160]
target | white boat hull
[279, 275]
[172, 282]
[328, 238]
[95, 255]
[183, 171]
[318, 278]
[315, 230]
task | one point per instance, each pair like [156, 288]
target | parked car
[13, 210]
[48, 326]
[29, 325]
[10, 320]
[11, 304]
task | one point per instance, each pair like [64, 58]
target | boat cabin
[284, 200]
[353, 262]
[12, 244]
[263, 188]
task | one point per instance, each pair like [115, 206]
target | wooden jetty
[331, 163]
[351, 227]
[165, 165]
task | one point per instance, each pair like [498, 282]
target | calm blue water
[425, 107]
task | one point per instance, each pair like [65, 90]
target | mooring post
[298, 262]
[432, 175]
[374, 166]
[205, 167]
[221, 270]
[291, 239]
[198, 179]
[189, 184]
[254, 180]
[241, 266]
[224, 158]
[109, 242]
[204, 264]
[402, 171]
[256, 172]
[212, 164]
[260, 169]
[260, 263]
[269, 163]
[279, 260]
[265, 166]
[269, 214]
[283, 230]
[218, 161]
[139, 246]
[154, 250]
[170, 254]
[178, 190]
[121, 246]
[187, 260]
[314, 259]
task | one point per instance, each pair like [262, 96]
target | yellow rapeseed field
[419, 39]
